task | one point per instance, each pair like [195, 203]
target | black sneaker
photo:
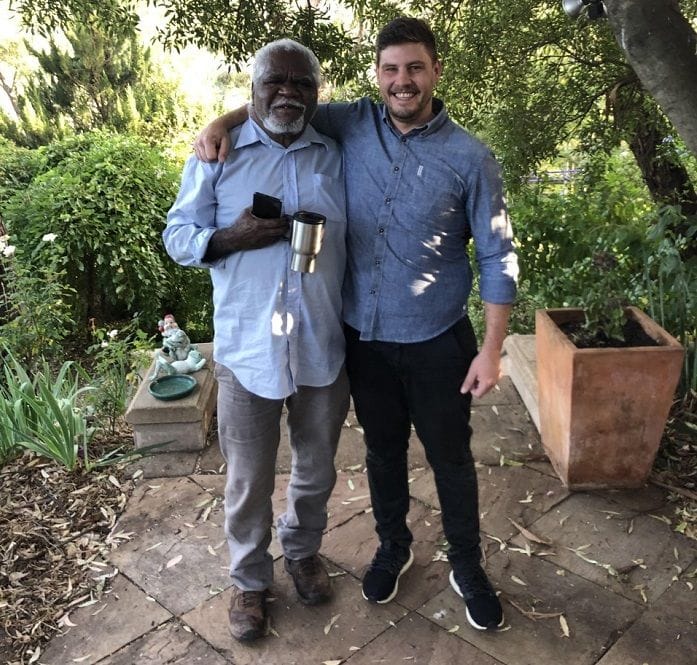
[482, 605]
[381, 580]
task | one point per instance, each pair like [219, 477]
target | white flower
[8, 250]
[49, 237]
[105, 344]
[113, 333]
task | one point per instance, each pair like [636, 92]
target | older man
[418, 188]
[278, 334]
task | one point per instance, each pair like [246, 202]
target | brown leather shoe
[311, 579]
[247, 614]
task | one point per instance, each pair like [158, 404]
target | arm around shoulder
[213, 142]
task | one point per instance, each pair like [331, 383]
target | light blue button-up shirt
[275, 328]
[414, 201]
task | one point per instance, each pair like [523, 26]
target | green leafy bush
[599, 242]
[18, 167]
[106, 204]
[560, 228]
[35, 317]
[118, 354]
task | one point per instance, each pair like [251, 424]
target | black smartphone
[266, 206]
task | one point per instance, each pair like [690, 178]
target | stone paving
[585, 578]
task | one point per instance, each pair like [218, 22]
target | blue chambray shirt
[412, 202]
[275, 328]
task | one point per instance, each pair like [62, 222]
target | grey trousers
[249, 434]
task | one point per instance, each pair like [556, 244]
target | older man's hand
[248, 232]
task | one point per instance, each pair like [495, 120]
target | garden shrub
[105, 201]
[18, 167]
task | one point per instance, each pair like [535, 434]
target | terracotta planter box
[602, 411]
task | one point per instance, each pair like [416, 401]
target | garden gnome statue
[167, 325]
[177, 355]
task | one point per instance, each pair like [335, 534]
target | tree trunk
[661, 47]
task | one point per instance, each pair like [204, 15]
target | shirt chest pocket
[435, 193]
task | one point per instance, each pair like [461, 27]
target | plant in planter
[606, 379]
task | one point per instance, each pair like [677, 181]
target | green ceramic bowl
[173, 386]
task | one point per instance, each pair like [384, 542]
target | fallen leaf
[517, 580]
[495, 410]
[660, 518]
[351, 485]
[174, 561]
[640, 589]
[454, 629]
[114, 482]
[528, 534]
[564, 626]
[65, 621]
[82, 658]
[152, 547]
[331, 662]
[211, 551]
[328, 627]
[534, 615]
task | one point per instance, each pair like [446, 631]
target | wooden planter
[602, 411]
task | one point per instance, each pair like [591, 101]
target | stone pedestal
[180, 424]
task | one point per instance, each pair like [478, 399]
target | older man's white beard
[276, 127]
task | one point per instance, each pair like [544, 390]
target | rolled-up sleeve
[493, 235]
[191, 220]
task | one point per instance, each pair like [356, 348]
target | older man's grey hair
[262, 56]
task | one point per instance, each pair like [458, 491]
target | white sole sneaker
[404, 569]
[470, 620]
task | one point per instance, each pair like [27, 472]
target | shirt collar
[431, 126]
[251, 133]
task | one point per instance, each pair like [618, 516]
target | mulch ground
[56, 533]
[55, 538]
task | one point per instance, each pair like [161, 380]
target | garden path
[586, 577]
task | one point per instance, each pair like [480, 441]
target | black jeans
[394, 385]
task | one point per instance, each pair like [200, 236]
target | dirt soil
[54, 541]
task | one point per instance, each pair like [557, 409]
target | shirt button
[388, 200]
[377, 262]
[372, 292]
[404, 139]
[381, 230]
[396, 168]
